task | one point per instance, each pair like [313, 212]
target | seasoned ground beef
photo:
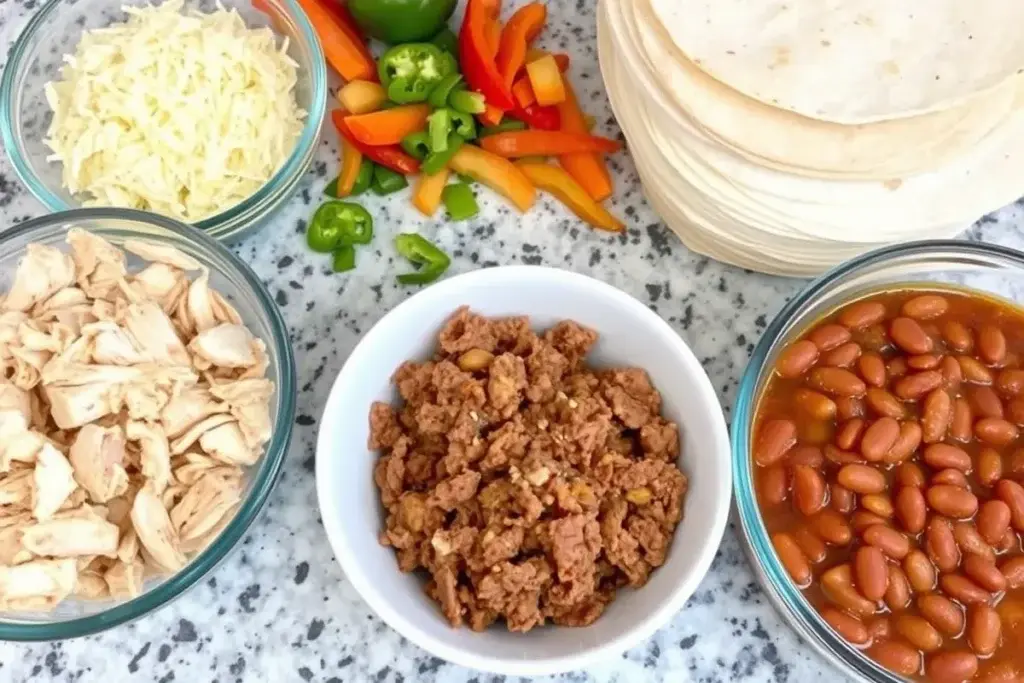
[527, 485]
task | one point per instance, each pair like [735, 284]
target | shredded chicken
[130, 404]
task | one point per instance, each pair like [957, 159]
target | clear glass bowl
[55, 30]
[239, 285]
[987, 268]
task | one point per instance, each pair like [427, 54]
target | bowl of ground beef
[523, 470]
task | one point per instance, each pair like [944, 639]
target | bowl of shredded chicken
[136, 405]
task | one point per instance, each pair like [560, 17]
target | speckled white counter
[279, 609]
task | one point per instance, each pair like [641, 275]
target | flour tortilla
[851, 61]
[787, 141]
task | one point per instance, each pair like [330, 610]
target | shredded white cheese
[182, 114]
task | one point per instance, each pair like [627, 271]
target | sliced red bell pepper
[521, 30]
[390, 156]
[474, 56]
[536, 116]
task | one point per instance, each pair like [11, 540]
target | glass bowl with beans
[878, 445]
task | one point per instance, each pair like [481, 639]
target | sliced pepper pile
[439, 105]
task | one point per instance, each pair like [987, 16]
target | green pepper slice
[386, 181]
[463, 124]
[364, 178]
[467, 102]
[417, 145]
[439, 95]
[338, 223]
[439, 125]
[409, 72]
[435, 161]
[344, 258]
[447, 41]
[459, 201]
[332, 188]
[504, 127]
[432, 262]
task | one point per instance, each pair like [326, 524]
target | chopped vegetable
[344, 258]
[364, 178]
[417, 144]
[588, 169]
[401, 21]
[439, 95]
[346, 55]
[338, 223]
[522, 29]
[437, 159]
[432, 261]
[460, 202]
[390, 156]
[505, 126]
[536, 116]
[362, 97]
[426, 196]
[476, 59]
[352, 161]
[492, 34]
[386, 181]
[546, 143]
[388, 127]
[559, 183]
[447, 41]
[463, 124]
[467, 102]
[409, 72]
[546, 80]
[439, 125]
[495, 172]
[492, 115]
[332, 188]
[522, 91]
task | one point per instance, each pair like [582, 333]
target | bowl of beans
[879, 460]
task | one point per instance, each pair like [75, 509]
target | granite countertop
[279, 609]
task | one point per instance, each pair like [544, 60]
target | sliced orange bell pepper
[362, 97]
[522, 29]
[389, 126]
[546, 80]
[390, 156]
[492, 37]
[427, 195]
[492, 116]
[544, 143]
[523, 92]
[344, 52]
[559, 183]
[588, 169]
[351, 160]
[491, 7]
[497, 173]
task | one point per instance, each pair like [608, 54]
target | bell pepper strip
[417, 144]
[588, 169]
[556, 181]
[439, 159]
[544, 143]
[390, 126]
[460, 202]
[386, 181]
[522, 91]
[497, 173]
[338, 223]
[439, 125]
[439, 95]
[447, 41]
[546, 80]
[409, 72]
[344, 259]
[492, 7]
[432, 262]
[364, 178]
[389, 156]
[477, 62]
[341, 13]
[506, 126]
[536, 116]
[491, 115]
[561, 58]
[362, 97]
[427, 194]
[344, 52]
[467, 102]
[522, 28]
[463, 124]
[351, 162]
[492, 33]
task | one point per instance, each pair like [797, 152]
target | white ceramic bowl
[630, 335]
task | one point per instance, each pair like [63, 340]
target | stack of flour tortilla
[786, 136]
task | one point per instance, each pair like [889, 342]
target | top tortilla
[851, 61]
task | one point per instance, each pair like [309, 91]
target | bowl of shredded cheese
[206, 113]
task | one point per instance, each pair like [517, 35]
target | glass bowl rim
[264, 478]
[224, 221]
[789, 601]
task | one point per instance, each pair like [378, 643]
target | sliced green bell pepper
[459, 201]
[401, 21]
[467, 102]
[432, 262]
[447, 41]
[417, 145]
[344, 258]
[463, 123]
[439, 125]
[337, 224]
[364, 178]
[437, 160]
[409, 72]
[504, 127]
[386, 181]
[439, 95]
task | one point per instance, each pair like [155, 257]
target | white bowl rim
[379, 604]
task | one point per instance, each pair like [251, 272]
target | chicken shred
[132, 398]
